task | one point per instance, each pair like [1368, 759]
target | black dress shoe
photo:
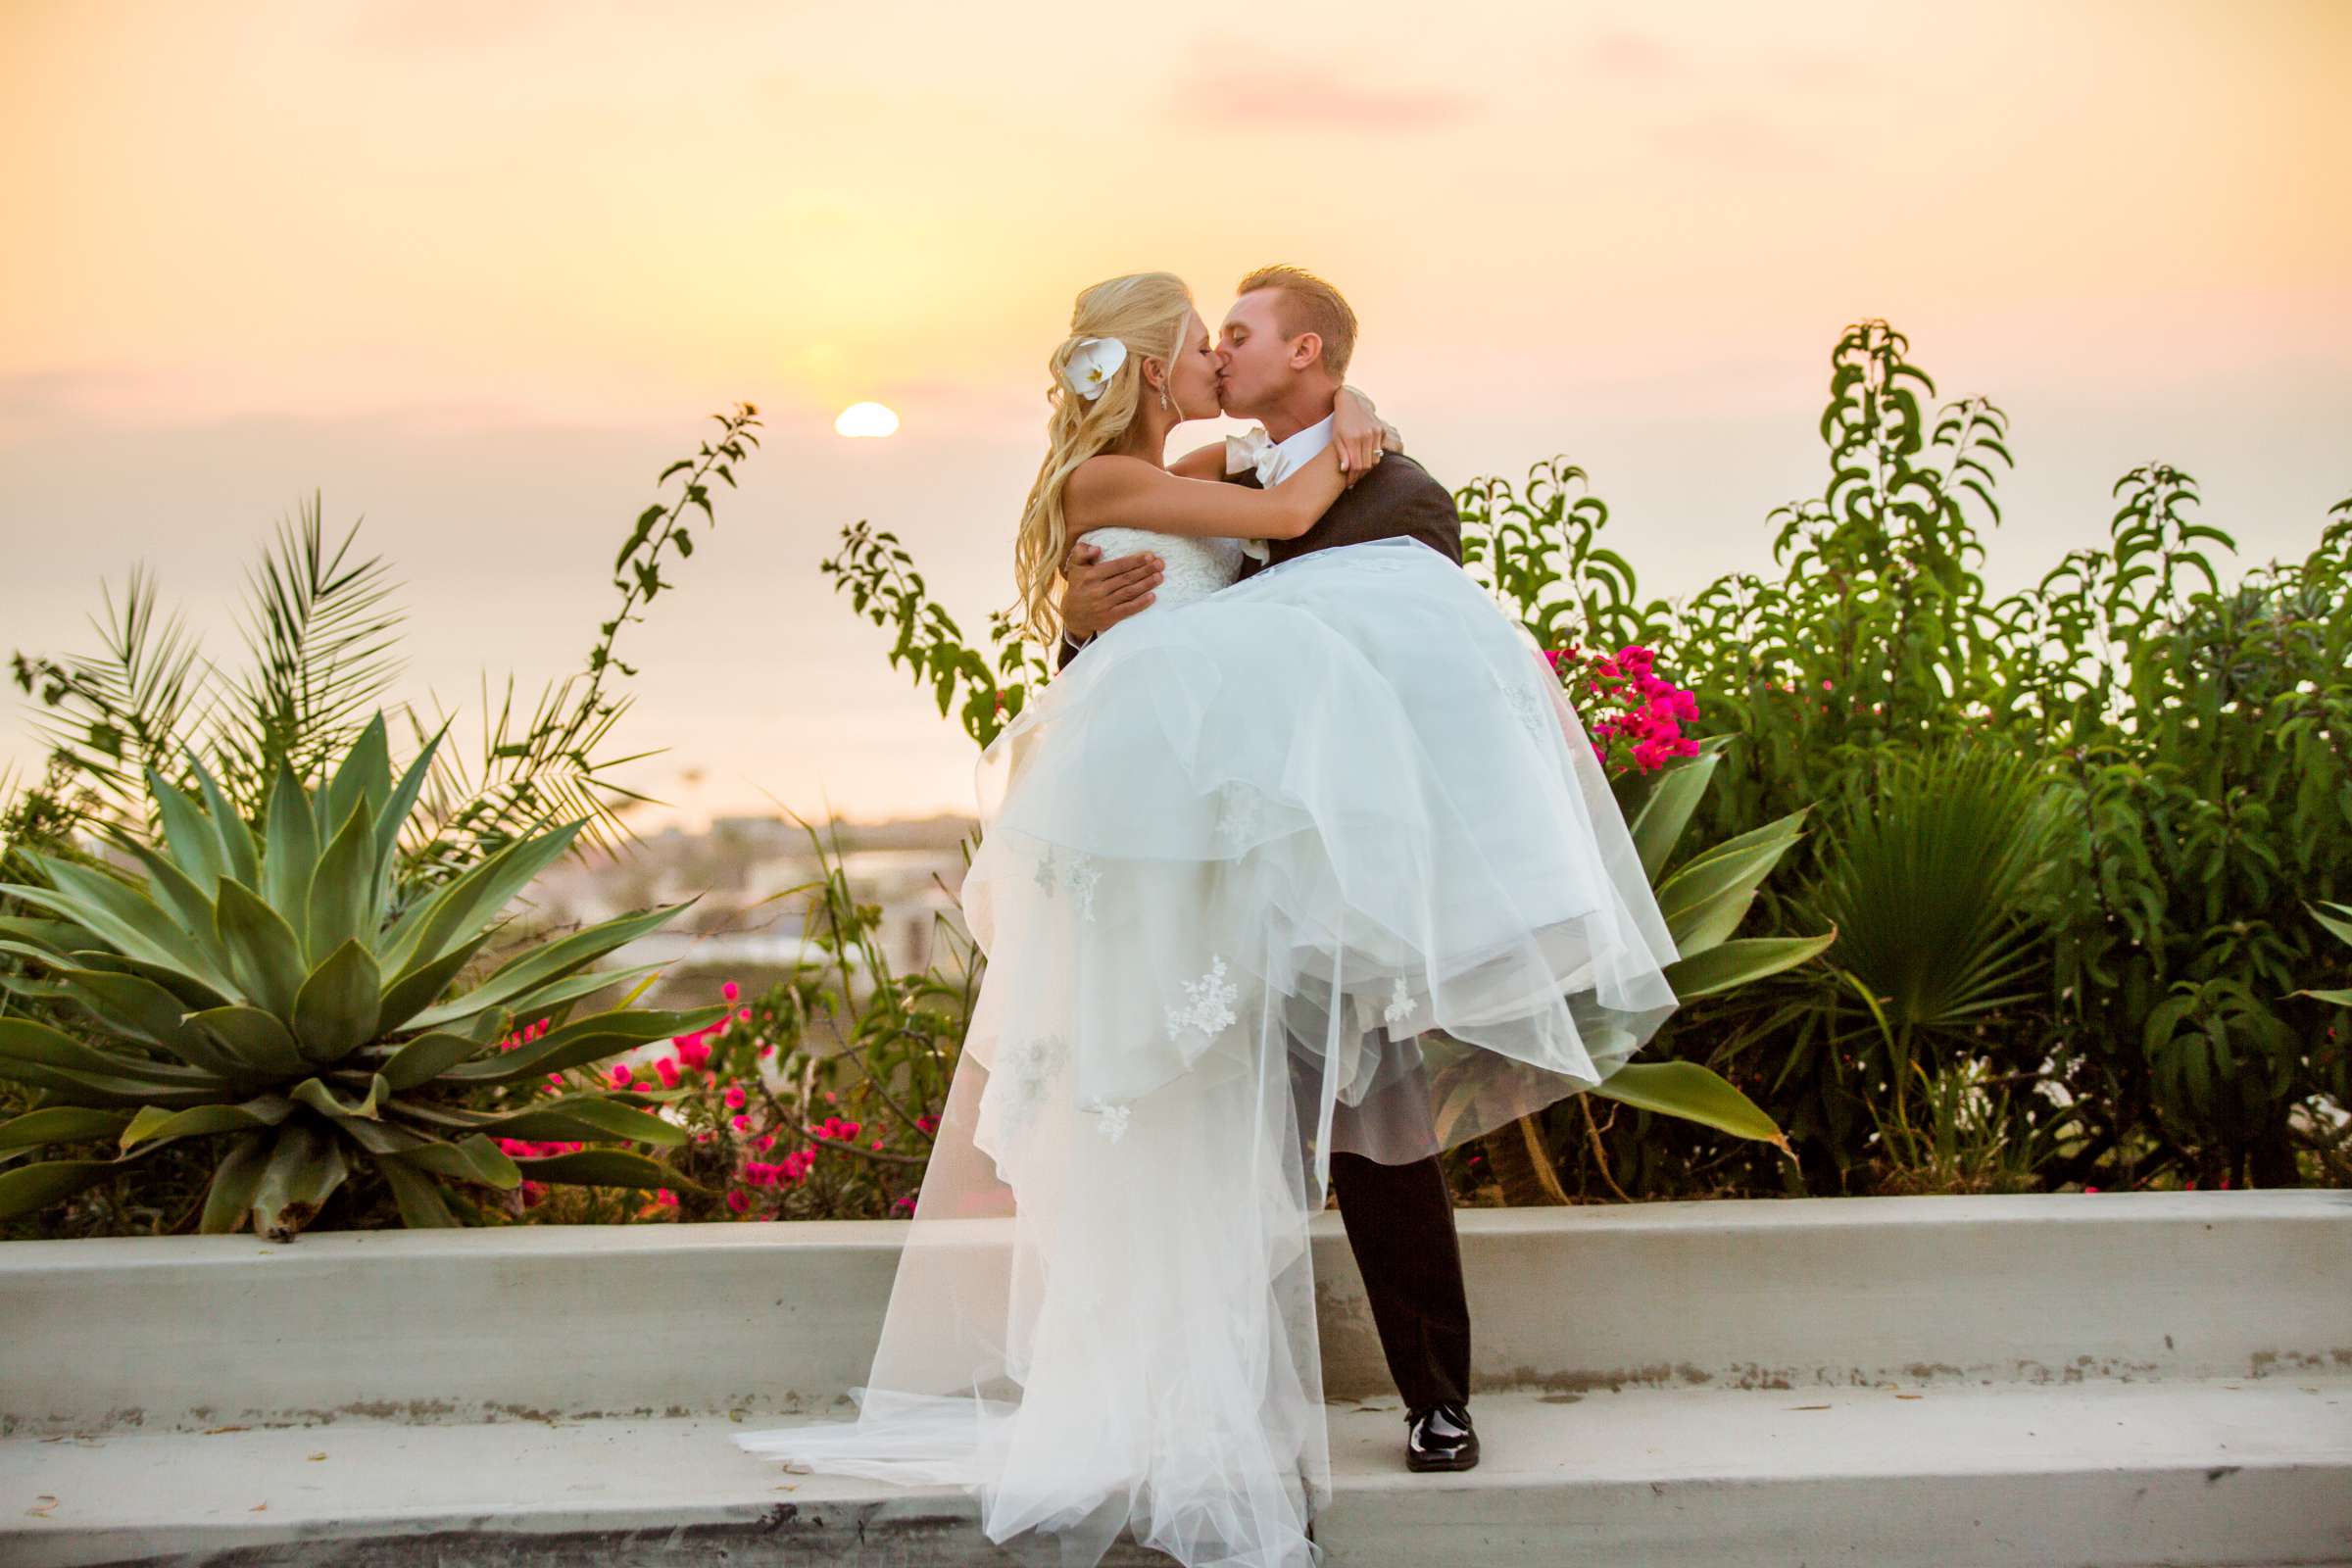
[1440, 1438]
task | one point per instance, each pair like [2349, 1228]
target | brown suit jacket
[1397, 500]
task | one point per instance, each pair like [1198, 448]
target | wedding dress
[1316, 860]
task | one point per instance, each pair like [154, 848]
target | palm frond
[323, 646]
[111, 713]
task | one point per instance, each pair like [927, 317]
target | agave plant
[281, 992]
[1703, 898]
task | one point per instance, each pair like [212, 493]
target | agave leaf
[194, 995]
[393, 815]
[237, 854]
[573, 987]
[190, 908]
[60, 1124]
[366, 774]
[229, 1198]
[118, 915]
[1737, 963]
[336, 1012]
[472, 1158]
[422, 1206]
[529, 972]
[1741, 861]
[193, 844]
[341, 903]
[127, 1003]
[2335, 999]
[1666, 811]
[1711, 922]
[306, 1166]
[421, 986]
[292, 852]
[55, 935]
[1692, 1093]
[581, 1040]
[604, 1167]
[314, 1093]
[587, 1117]
[28, 1189]
[256, 1039]
[154, 1125]
[25, 1043]
[264, 951]
[475, 899]
[424, 1058]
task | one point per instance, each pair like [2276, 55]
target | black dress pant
[1399, 1221]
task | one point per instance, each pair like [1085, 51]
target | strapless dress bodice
[1195, 567]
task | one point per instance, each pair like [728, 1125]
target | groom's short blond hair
[1310, 304]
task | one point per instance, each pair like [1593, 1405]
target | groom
[1282, 355]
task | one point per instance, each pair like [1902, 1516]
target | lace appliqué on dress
[1207, 1005]
[1400, 1003]
[1528, 707]
[1111, 1120]
[1079, 874]
[1027, 1070]
[1239, 812]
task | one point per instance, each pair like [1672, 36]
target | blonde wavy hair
[1148, 313]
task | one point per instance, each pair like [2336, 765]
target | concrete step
[566, 1322]
[2101, 1472]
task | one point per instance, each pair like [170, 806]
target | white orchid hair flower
[1091, 365]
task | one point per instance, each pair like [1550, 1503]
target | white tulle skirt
[1321, 863]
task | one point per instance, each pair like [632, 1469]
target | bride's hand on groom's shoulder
[1360, 434]
[1097, 594]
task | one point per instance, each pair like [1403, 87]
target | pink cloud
[1305, 96]
[1630, 54]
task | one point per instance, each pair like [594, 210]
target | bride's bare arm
[1357, 429]
[1120, 492]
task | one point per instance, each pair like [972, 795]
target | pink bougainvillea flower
[668, 1071]
[665, 1197]
[764, 1141]
[741, 1124]
[730, 991]
[736, 1097]
[622, 1075]
[739, 1202]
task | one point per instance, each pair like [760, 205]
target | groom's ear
[1306, 350]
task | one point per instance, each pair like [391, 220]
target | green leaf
[306, 1166]
[417, 989]
[27, 1043]
[604, 1167]
[474, 1158]
[61, 1124]
[1740, 863]
[1737, 963]
[263, 953]
[292, 852]
[314, 1093]
[427, 1057]
[189, 836]
[421, 1205]
[336, 1012]
[229, 1197]
[575, 1118]
[462, 909]
[1691, 1092]
[527, 971]
[366, 774]
[237, 854]
[119, 915]
[341, 904]
[153, 1125]
[28, 1189]
[1673, 796]
[581, 1040]
[254, 1038]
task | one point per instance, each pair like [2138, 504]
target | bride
[1315, 860]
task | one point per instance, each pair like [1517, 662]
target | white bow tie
[1254, 450]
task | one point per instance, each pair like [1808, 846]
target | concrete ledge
[655, 1322]
[2095, 1475]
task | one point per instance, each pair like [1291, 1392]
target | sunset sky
[478, 272]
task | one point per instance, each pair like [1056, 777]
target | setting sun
[866, 420]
